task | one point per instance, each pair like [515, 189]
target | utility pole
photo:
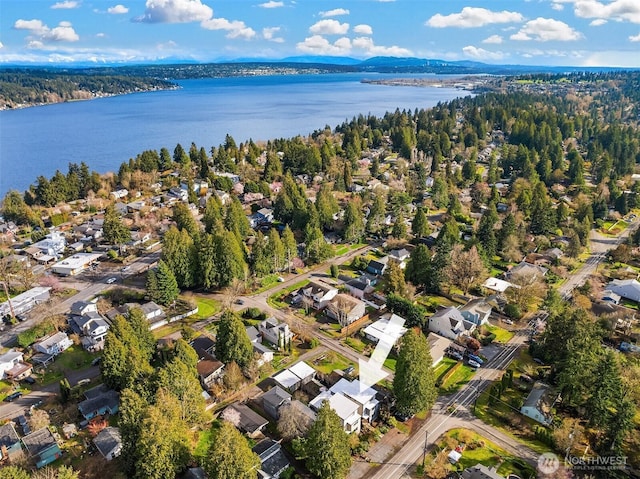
[424, 451]
[6, 292]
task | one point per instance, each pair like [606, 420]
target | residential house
[450, 323]
[553, 254]
[249, 421]
[273, 400]
[438, 346]
[497, 285]
[99, 401]
[358, 287]
[400, 256]
[9, 360]
[25, 302]
[264, 216]
[535, 407]
[295, 377]
[42, 447]
[121, 208]
[10, 448]
[54, 344]
[53, 244]
[120, 193]
[93, 328]
[273, 462]
[319, 293]
[389, 325]
[365, 398]
[209, 368]
[625, 288]
[346, 309]
[108, 442]
[480, 471]
[262, 353]
[83, 307]
[345, 408]
[526, 269]
[378, 266]
[275, 332]
[18, 371]
[248, 198]
[477, 311]
[178, 193]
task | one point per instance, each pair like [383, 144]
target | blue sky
[539, 32]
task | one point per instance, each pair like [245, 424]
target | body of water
[107, 131]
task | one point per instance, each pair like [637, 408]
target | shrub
[513, 311]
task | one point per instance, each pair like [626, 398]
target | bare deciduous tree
[293, 422]
[340, 307]
[466, 268]
[39, 419]
[529, 290]
[231, 416]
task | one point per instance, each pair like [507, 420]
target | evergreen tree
[235, 220]
[394, 280]
[607, 394]
[277, 251]
[140, 329]
[179, 253]
[13, 472]
[212, 216]
[326, 206]
[353, 221]
[486, 231]
[419, 266]
[399, 230]
[162, 285]
[414, 381]
[230, 456]
[327, 446]
[377, 213]
[232, 341]
[229, 259]
[184, 220]
[317, 249]
[272, 167]
[420, 226]
[181, 381]
[115, 232]
[261, 260]
[290, 245]
[131, 411]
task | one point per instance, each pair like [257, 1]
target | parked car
[29, 380]
[24, 425]
[239, 301]
[455, 355]
[82, 382]
[96, 361]
[473, 357]
[13, 396]
[349, 370]
[402, 416]
[507, 321]
[474, 364]
[111, 280]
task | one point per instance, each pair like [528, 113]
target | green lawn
[356, 344]
[267, 282]
[390, 363]
[478, 449]
[327, 362]
[459, 378]
[6, 388]
[73, 358]
[443, 367]
[207, 307]
[204, 442]
[277, 299]
[502, 335]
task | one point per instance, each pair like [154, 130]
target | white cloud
[471, 17]
[329, 27]
[621, 10]
[236, 28]
[597, 22]
[169, 45]
[269, 33]
[39, 32]
[635, 38]
[545, 30]
[35, 45]
[175, 11]
[35, 27]
[1, 45]
[271, 4]
[493, 39]
[370, 49]
[318, 45]
[118, 10]
[557, 6]
[482, 54]
[68, 4]
[101, 35]
[363, 29]
[336, 12]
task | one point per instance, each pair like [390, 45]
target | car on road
[473, 357]
[507, 321]
[82, 382]
[96, 361]
[111, 280]
[474, 364]
[13, 396]
[239, 301]
[280, 279]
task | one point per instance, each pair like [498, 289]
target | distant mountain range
[335, 64]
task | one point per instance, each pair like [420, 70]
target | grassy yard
[356, 344]
[478, 449]
[443, 367]
[390, 363]
[461, 376]
[267, 282]
[6, 388]
[277, 299]
[207, 307]
[73, 358]
[502, 335]
[327, 362]
[339, 250]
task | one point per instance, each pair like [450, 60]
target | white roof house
[75, 264]
[382, 329]
[626, 288]
[23, 302]
[303, 371]
[8, 360]
[344, 407]
[287, 380]
[497, 285]
[368, 405]
[54, 344]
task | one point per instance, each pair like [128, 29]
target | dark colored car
[29, 380]
[24, 425]
[402, 416]
[13, 396]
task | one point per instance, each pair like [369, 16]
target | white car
[474, 364]
[111, 280]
